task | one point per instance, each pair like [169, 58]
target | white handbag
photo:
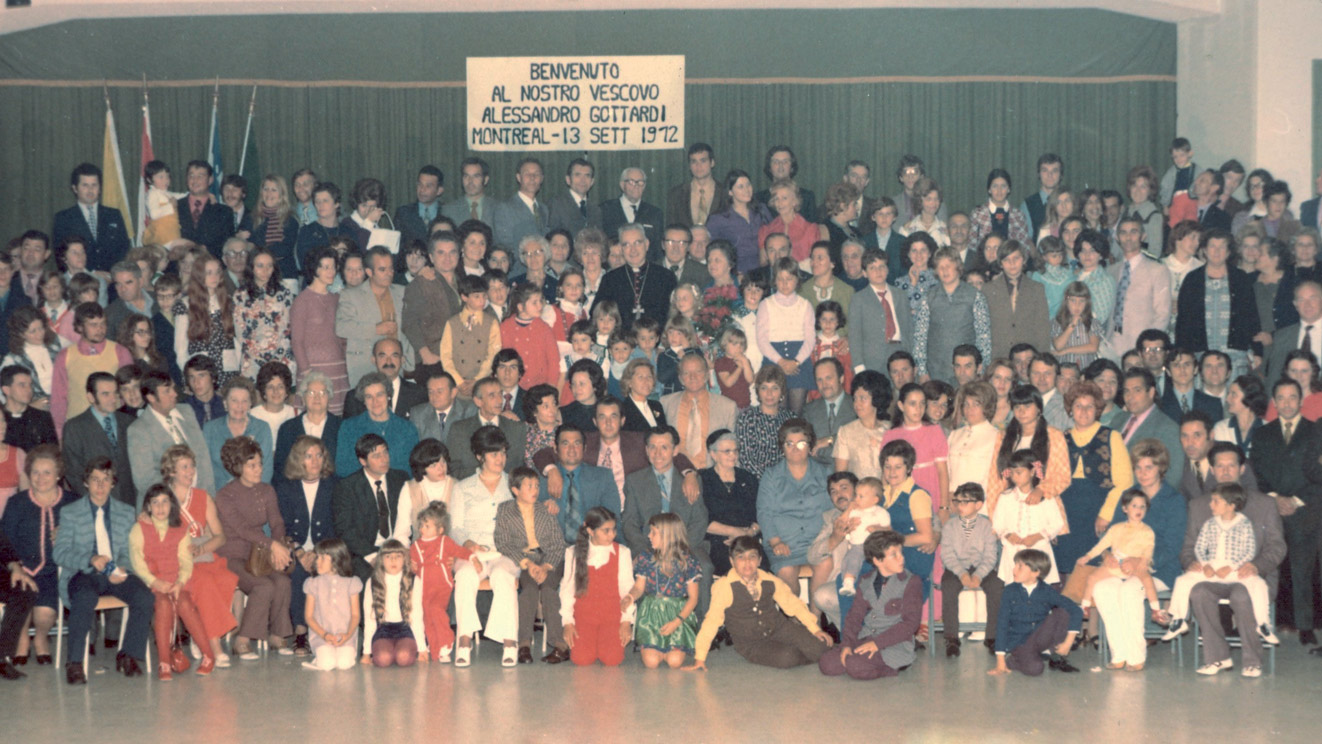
[381, 236]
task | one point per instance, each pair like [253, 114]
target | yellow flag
[113, 193]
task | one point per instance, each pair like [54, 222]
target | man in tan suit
[696, 412]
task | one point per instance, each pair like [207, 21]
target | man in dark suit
[487, 397]
[523, 214]
[585, 486]
[1196, 440]
[1228, 467]
[1308, 211]
[677, 261]
[637, 287]
[388, 356]
[776, 246]
[1180, 395]
[101, 228]
[693, 201]
[630, 207]
[1143, 420]
[364, 505]
[508, 369]
[435, 417]
[411, 220]
[1285, 453]
[27, 426]
[656, 489]
[100, 431]
[202, 219]
[832, 410]
[572, 210]
[1306, 334]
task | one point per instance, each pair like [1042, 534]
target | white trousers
[336, 657]
[503, 620]
[1121, 604]
[1256, 585]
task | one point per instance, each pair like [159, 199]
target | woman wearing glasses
[791, 499]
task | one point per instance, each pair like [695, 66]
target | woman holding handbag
[247, 509]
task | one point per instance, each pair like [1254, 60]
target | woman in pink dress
[312, 326]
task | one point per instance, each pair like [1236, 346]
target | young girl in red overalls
[595, 605]
[154, 545]
[434, 555]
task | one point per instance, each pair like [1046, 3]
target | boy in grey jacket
[969, 551]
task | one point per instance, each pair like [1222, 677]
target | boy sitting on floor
[1033, 618]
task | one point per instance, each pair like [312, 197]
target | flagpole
[212, 142]
[146, 155]
[247, 131]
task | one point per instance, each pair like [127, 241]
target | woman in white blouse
[33, 346]
[430, 463]
[473, 525]
[973, 444]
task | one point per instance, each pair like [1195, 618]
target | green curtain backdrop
[1103, 109]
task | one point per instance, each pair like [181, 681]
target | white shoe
[444, 657]
[510, 657]
[847, 588]
[222, 661]
[978, 636]
[1208, 670]
[1253, 672]
[313, 666]
[1178, 627]
[1268, 635]
[463, 656]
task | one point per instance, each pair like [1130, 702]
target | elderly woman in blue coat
[790, 500]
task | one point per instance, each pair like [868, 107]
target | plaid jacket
[981, 220]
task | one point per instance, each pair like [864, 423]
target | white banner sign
[576, 103]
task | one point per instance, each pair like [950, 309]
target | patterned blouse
[261, 325]
[755, 433]
[916, 292]
[1102, 286]
[646, 567]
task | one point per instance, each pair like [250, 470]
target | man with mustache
[388, 357]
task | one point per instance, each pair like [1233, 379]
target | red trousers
[597, 641]
[435, 619]
[163, 623]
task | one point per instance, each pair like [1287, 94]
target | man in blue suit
[585, 486]
[412, 219]
[92, 550]
[100, 227]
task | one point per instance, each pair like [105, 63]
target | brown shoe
[557, 655]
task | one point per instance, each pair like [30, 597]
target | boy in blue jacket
[1034, 618]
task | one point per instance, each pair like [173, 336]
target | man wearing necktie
[1144, 420]
[657, 489]
[412, 219]
[474, 176]
[365, 503]
[100, 431]
[1306, 335]
[880, 320]
[833, 409]
[629, 207]
[572, 210]
[523, 214]
[103, 228]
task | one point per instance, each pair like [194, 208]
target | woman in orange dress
[212, 584]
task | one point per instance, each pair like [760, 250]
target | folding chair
[1235, 641]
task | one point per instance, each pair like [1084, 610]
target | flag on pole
[147, 156]
[213, 158]
[113, 193]
[248, 167]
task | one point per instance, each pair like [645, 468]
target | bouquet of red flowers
[716, 310]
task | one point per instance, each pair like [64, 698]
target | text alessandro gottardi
[575, 103]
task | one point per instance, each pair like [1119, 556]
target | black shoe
[830, 629]
[8, 671]
[73, 673]
[990, 644]
[525, 655]
[43, 660]
[952, 649]
[21, 660]
[1061, 664]
[128, 665]
[1306, 637]
[111, 643]
[557, 656]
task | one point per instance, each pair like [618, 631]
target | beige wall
[1245, 86]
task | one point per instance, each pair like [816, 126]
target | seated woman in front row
[877, 641]
[749, 602]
